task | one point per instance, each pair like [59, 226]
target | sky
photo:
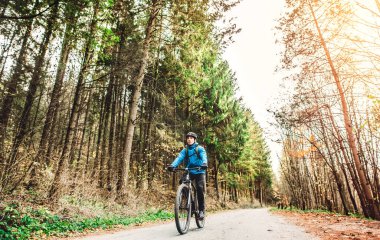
[253, 57]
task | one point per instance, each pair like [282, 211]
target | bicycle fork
[189, 201]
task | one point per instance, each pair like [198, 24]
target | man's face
[190, 140]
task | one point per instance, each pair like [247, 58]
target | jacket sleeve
[181, 156]
[203, 155]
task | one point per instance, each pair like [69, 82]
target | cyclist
[194, 155]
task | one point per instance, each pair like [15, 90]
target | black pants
[200, 183]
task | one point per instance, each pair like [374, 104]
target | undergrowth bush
[19, 223]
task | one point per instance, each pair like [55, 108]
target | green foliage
[109, 37]
[17, 223]
[205, 97]
[187, 86]
[108, 40]
[109, 3]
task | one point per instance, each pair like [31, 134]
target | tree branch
[29, 16]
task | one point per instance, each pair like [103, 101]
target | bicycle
[186, 202]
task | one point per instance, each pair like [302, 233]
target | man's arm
[181, 156]
[203, 155]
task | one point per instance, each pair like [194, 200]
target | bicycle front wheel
[182, 209]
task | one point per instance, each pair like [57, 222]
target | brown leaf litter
[328, 226]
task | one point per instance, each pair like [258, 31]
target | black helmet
[191, 134]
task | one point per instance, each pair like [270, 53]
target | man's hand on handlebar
[170, 168]
[204, 166]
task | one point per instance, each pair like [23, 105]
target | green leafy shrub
[17, 223]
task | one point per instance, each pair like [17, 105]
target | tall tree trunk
[83, 134]
[34, 83]
[107, 111]
[140, 171]
[347, 161]
[121, 95]
[95, 169]
[53, 192]
[52, 111]
[87, 165]
[8, 99]
[120, 171]
[74, 140]
[147, 139]
[372, 206]
[260, 192]
[378, 4]
[111, 140]
[114, 91]
[42, 156]
[136, 93]
[251, 190]
[152, 161]
[350, 193]
[331, 164]
[5, 54]
[216, 179]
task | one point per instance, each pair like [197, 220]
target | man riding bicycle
[194, 155]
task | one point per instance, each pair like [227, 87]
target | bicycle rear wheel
[182, 209]
[200, 222]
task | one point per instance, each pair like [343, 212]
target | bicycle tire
[200, 223]
[182, 209]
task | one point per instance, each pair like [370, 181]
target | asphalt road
[229, 225]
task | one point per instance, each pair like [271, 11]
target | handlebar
[188, 169]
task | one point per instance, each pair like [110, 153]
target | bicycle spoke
[182, 209]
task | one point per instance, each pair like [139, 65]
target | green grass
[17, 223]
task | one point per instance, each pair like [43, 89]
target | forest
[97, 95]
[330, 124]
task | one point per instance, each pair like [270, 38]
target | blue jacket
[194, 161]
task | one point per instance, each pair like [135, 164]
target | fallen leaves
[332, 226]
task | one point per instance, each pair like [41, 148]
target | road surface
[228, 225]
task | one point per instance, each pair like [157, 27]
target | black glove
[170, 168]
[204, 166]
